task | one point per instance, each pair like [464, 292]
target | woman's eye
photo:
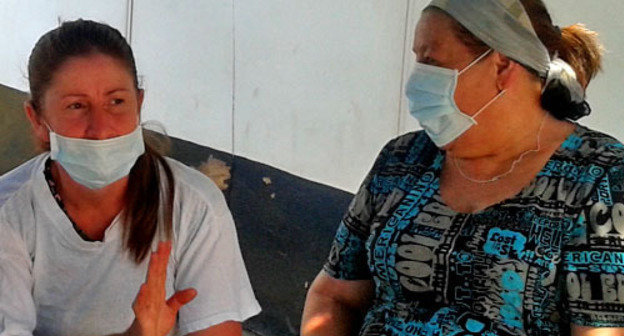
[429, 60]
[75, 106]
[117, 101]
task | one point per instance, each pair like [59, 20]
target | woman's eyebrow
[116, 90]
[73, 95]
[85, 95]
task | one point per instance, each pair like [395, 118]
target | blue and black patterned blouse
[531, 265]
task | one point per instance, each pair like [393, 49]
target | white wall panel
[318, 84]
[184, 52]
[312, 87]
[23, 22]
[111, 12]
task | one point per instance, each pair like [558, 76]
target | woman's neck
[487, 153]
[82, 200]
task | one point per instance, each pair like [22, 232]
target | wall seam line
[129, 20]
[233, 126]
[403, 65]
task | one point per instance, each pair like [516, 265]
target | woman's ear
[140, 96]
[41, 131]
[506, 71]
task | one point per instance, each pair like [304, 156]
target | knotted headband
[504, 26]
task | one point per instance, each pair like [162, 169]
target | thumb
[179, 299]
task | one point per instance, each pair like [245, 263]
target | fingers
[139, 300]
[157, 271]
[153, 314]
[179, 299]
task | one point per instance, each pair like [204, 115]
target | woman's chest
[79, 292]
[497, 263]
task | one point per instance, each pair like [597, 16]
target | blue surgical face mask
[431, 93]
[97, 163]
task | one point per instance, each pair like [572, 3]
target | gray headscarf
[504, 26]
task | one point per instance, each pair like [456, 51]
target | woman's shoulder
[405, 143]
[19, 178]
[18, 196]
[413, 149]
[200, 210]
[594, 146]
[588, 133]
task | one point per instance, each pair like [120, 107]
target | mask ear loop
[500, 94]
[52, 140]
[50, 131]
[475, 61]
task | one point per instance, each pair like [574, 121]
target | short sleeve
[208, 258]
[593, 264]
[14, 179]
[17, 307]
[348, 256]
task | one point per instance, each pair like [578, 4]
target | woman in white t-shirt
[76, 235]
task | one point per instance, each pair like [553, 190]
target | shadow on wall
[285, 223]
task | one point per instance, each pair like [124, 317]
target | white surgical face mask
[431, 93]
[97, 163]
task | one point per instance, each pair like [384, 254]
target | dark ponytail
[575, 44]
[579, 47]
[149, 197]
[144, 197]
[564, 93]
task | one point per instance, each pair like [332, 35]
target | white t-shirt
[52, 282]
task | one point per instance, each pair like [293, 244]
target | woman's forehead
[92, 61]
[435, 33]
[95, 70]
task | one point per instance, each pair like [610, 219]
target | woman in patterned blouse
[502, 217]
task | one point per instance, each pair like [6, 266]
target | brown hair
[149, 199]
[576, 44]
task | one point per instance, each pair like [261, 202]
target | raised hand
[154, 314]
